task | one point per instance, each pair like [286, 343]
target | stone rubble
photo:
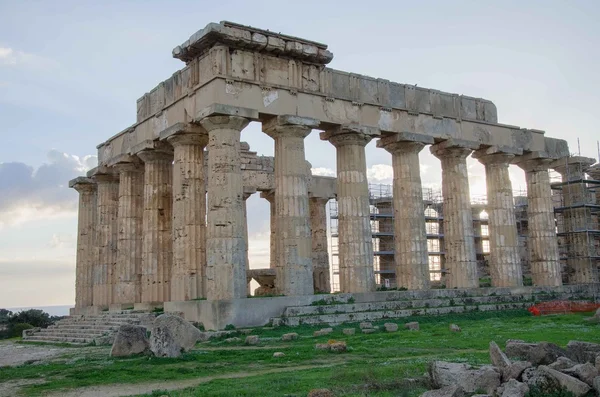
[506, 378]
[412, 326]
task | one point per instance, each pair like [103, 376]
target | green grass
[375, 365]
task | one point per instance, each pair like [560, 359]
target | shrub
[34, 317]
[17, 329]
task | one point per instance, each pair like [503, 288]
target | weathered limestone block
[189, 214]
[514, 370]
[574, 385]
[412, 326]
[86, 240]
[289, 336]
[355, 242]
[459, 237]
[498, 358]
[320, 253]
[585, 372]
[130, 339]
[410, 236]
[562, 363]
[294, 266]
[107, 236]
[252, 340]
[171, 335]
[542, 241]
[505, 264]
[471, 379]
[225, 238]
[129, 246]
[583, 352]
[512, 388]
[157, 251]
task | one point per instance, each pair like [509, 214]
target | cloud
[29, 192]
[322, 171]
[15, 58]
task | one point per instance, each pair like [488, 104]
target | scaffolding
[577, 213]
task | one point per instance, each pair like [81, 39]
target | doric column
[355, 241]
[505, 264]
[594, 173]
[459, 236]
[543, 246]
[225, 241]
[107, 235]
[410, 235]
[270, 197]
[320, 253]
[581, 266]
[129, 245]
[294, 269]
[86, 240]
[189, 211]
[157, 252]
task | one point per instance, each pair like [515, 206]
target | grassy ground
[375, 365]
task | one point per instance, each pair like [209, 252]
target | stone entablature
[234, 73]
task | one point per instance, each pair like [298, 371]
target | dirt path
[119, 390]
[16, 354]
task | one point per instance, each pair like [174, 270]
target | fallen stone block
[545, 353]
[471, 379]
[278, 354]
[369, 331]
[130, 339]
[171, 335]
[348, 331]
[391, 327]
[518, 349]
[562, 363]
[338, 346]
[454, 328]
[582, 352]
[497, 357]
[252, 340]
[515, 370]
[365, 325]
[324, 331]
[572, 384]
[512, 388]
[289, 337]
[235, 339]
[322, 346]
[584, 372]
[412, 326]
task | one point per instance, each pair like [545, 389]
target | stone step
[58, 339]
[340, 318]
[85, 329]
[401, 305]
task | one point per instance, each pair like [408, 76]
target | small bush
[229, 327]
[17, 329]
[550, 388]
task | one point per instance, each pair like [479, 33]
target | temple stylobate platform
[163, 218]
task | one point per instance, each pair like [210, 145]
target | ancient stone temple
[162, 219]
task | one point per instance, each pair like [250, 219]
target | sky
[71, 72]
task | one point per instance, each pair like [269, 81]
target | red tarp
[554, 307]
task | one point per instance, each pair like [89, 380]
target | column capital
[83, 184]
[350, 134]
[533, 162]
[150, 150]
[211, 123]
[496, 155]
[103, 174]
[572, 165]
[289, 125]
[405, 142]
[458, 148]
[126, 163]
[185, 134]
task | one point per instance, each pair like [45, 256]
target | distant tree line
[13, 324]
